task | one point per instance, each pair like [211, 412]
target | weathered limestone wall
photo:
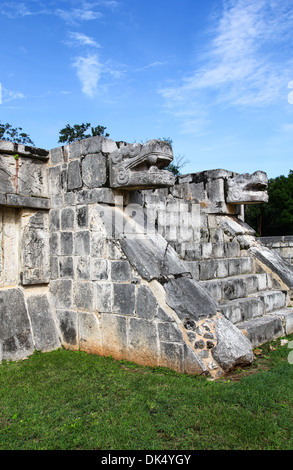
[102, 252]
[27, 323]
[101, 303]
[281, 245]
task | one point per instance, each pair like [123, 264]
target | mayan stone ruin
[105, 251]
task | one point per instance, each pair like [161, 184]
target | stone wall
[282, 245]
[104, 252]
[114, 284]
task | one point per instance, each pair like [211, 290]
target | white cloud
[86, 11]
[9, 95]
[243, 64]
[15, 10]
[151, 65]
[82, 39]
[89, 72]
[75, 15]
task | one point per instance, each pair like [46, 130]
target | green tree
[78, 132]
[14, 134]
[276, 217]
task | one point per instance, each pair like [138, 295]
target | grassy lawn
[70, 400]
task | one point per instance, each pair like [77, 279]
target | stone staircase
[250, 299]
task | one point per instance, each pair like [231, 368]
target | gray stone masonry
[103, 250]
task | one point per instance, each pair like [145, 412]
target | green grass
[70, 400]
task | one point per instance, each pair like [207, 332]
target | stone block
[98, 245]
[191, 251]
[170, 332]
[82, 267]
[232, 249]
[120, 271]
[103, 297]
[99, 269]
[82, 216]
[56, 155]
[84, 295]
[54, 267]
[188, 299]
[67, 219]
[222, 268]
[69, 199]
[218, 250]
[276, 263]
[96, 195]
[66, 268]
[34, 248]
[263, 329]
[193, 267]
[94, 170]
[66, 243]
[234, 265]
[90, 335]
[45, 333]
[233, 288]
[146, 303]
[68, 327]
[216, 235]
[215, 190]
[2, 199]
[55, 181]
[197, 191]
[16, 340]
[172, 356]
[114, 331]
[252, 283]
[273, 300]
[124, 299]
[243, 309]
[61, 293]
[32, 178]
[142, 337]
[206, 250]
[286, 316]
[164, 316]
[19, 200]
[74, 180]
[213, 288]
[82, 243]
[54, 220]
[152, 257]
[208, 270]
[232, 348]
[192, 363]
[90, 145]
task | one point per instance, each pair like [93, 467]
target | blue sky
[214, 76]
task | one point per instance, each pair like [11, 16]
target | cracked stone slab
[276, 263]
[189, 300]
[152, 257]
[233, 348]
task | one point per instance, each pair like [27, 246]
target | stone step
[255, 305]
[203, 270]
[240, 310]
[191, 251]
[260, 330]
[236, 287]
[286, 315]
[273, 300]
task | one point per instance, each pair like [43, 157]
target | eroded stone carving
[247, 189]
[141, 166]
